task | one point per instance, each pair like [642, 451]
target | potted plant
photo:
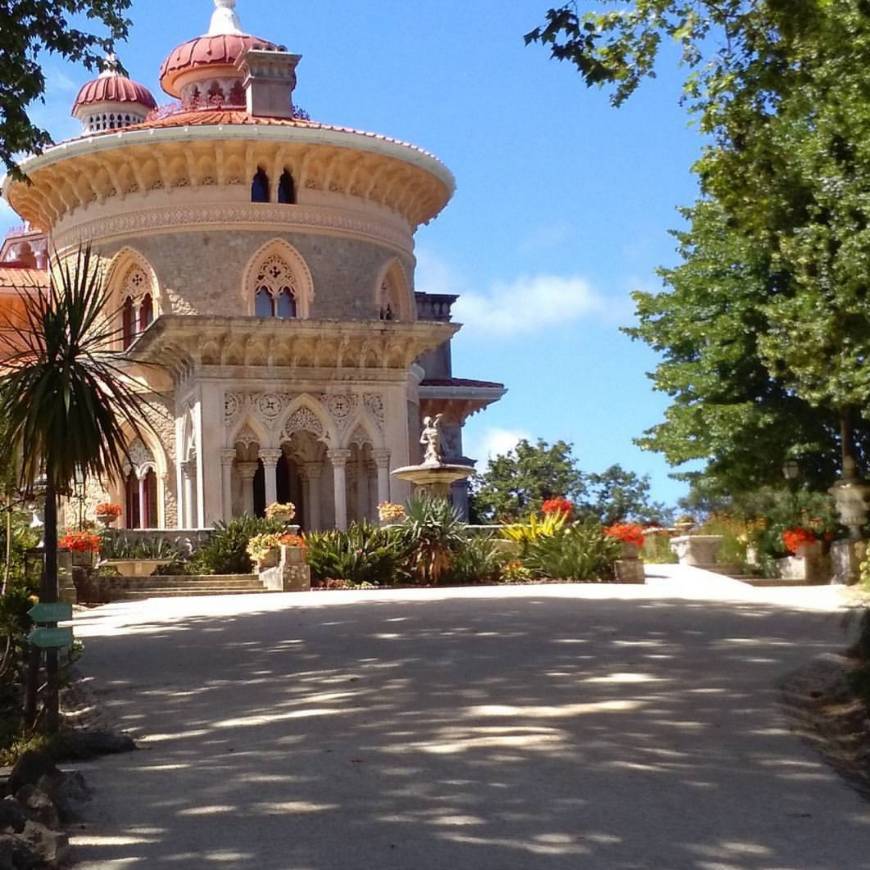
[83, 546]
[631, 537]
[391, 514]
[284, 513]
[108, 513]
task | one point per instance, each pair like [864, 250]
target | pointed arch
[393, 300]
[362, 423]
[247, 427]
[134, 293]
[277, 270]
[307, 414]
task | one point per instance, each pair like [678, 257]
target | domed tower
[262, 266]
[112, 101]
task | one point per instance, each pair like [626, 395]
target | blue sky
[563, 203]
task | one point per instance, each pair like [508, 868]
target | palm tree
[65, 400]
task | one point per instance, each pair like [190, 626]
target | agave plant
[65, 398]
[365, 553]
[526, 534]
[434, 533]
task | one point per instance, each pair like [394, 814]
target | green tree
[518, 482]
[616, 495]
[729, 409]
[66, 401]
[780, 89]
[31, 28]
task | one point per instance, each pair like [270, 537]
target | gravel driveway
[539, 727]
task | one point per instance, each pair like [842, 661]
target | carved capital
[338, 457]
[381, 457]
[247, 470]
[270, 457]
[228, 457]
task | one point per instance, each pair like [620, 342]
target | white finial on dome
[224, 19]
[111, 66]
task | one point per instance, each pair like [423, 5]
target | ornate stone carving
[303, 218]
[233, 404]
[340, 406]
[360, 437]
[374, 404]
[270, 406]
[247, 436]
[302, 420]
[140, 459]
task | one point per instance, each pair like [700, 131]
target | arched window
[146, 312]
[265, 305]
[148, 486]
[128, 322]
[286, 305]
[276, 289]
[393, 295]
[260, 186]
[286, 189]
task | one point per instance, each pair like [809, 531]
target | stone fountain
[434, 475]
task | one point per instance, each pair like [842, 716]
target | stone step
[228, 582]
[162, 592]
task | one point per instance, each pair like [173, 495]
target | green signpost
[51, 638]
[59, 612]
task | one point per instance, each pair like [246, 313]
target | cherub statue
[432, 439]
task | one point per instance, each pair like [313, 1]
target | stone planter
[629, 568]
[846, 559]
[270, 560]
[697, 551]
[290, 574]
[135, 567]
[808, 565]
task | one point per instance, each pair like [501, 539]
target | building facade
[261, 266]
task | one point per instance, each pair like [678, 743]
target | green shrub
[433, 533]
[365, 553]
[578, 552]
[657, 550]
[478, 560]
[227, 549]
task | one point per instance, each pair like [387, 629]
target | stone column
[270, 469]
[228, 458]
[362, 489]
[382, 460]
[143, 504]
[189, 512]
[247, 472]
[312, 472]
[339, 459]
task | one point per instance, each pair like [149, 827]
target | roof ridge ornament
[224, 19]
[111, 66]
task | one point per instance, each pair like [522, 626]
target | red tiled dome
[222, 49]
[114, 89]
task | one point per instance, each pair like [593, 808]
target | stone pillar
[228, 458]
[312, 472]
[382, 460]
[143, 504]
[362, 489]
[339, 459]
[247, 472]
[188, 507]
[270, 469]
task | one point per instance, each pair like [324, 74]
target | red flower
[628, 533]
[80, 542]
[794, 539]
[558, 506]
[107, 509]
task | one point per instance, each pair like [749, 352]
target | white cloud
[528, 304]
[494, 442]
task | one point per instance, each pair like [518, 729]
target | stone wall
[203, 272]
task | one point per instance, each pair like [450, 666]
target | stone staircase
[137, 588]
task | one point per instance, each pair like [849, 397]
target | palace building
[261, 265]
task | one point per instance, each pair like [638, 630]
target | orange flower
[628, 533]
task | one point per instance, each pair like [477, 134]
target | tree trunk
[49, 596]
[8, 565]
[847, 445]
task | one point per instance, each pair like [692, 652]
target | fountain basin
[437, 479]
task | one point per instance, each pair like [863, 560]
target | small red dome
[222, 49]
[114, 89]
